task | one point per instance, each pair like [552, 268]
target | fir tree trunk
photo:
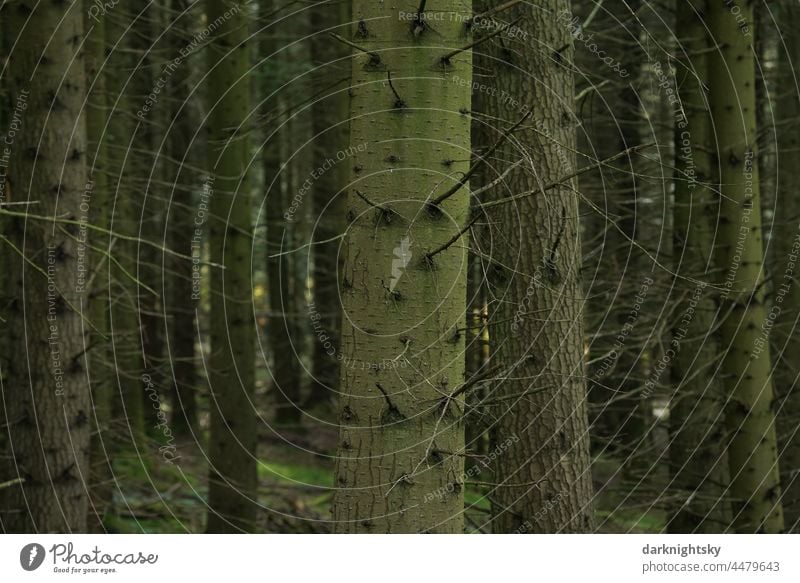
[232, 443]
[745, 371]
[786, 286]
[541, 433]
[185, 235]
[400, 461]
[331, 128]
[698, 463]
[47, 398]
[100, 476]
[124, 212]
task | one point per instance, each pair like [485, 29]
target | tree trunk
[124, 212]
[698, 463]
[750, 420]
[331, 129]
[185, 235]
[100, 476]
[541, 431]
[232, 443]
[786, 286]
[400, 465]
[46, 394]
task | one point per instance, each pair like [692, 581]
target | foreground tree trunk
[698, 463]
[541, 431]
[232, 442]
[750, 420]
[46, 394]
[400, 460]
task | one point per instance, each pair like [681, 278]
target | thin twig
[457, 186]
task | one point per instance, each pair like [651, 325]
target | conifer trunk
[698, 462]
[46, 394]
[745, 371]
[541, 431]
[232, 443]
[401, 445]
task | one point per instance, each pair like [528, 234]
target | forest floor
[295, 475]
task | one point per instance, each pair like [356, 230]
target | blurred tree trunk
[401, 445]
[100, 475]
[786, 286]
[698, 462]
[541, 430]
[147, 158]
[122, 291]
[232, 442]
[46, 394]
[285, 368]
[331, 135]
[752, 448]
[185, 235]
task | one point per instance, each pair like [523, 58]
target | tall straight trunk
[786, 286]
[400, 460]
[46, 395]
[122, 289]
[698, 464]
[752, 449]
[331, 129]
[285, 367]
[185, 235]
[232, 443]
[147, 159]
[541, 430]
[100, 475]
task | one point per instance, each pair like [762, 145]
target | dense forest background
[400, 266]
